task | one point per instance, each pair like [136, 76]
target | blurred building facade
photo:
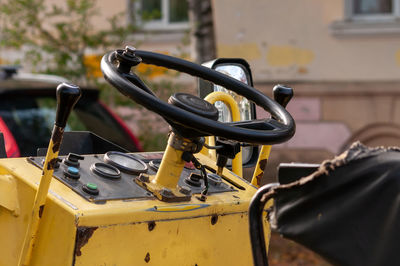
[341, 57]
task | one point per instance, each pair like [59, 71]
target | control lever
[282, 95]
[73, 159]
[67, 96]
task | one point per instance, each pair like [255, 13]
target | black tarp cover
[348, 211]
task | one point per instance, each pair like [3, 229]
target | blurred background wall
[341, 57]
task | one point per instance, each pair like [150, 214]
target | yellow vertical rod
[237, 162]
[260, 166]
[41, 196]
[170, 168]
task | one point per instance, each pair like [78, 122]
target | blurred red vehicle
[27, 104]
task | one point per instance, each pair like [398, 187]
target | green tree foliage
[55, 37]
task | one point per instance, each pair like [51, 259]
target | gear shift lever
[67, 96]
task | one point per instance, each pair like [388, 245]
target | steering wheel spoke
[138, 82]
[259, 124]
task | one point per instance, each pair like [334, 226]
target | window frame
[353, 25]
[162, 24]
[349, 13]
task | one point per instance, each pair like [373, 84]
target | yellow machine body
[76, 231]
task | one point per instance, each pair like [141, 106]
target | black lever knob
[73, 159]
[282, 94]
[67, 96]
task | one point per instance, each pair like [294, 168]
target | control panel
[111, 176]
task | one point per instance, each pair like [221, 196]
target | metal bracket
[177, 194]
[180, 143]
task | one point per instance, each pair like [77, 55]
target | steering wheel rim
[283, 127]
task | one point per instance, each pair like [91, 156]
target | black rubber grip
[67, 96]
[282, 94]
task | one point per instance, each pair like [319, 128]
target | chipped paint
[41, 210]
[249, 51]
[147, 258]
[214, 219]
[287, 55]
[52, 164]
[83, 234]
[259, 179]
[151, 225]
[56, 137]
[263, 164]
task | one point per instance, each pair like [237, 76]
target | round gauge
[155, 164]
[125, 162]
[105, 170]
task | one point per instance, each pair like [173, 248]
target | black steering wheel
[116, 68]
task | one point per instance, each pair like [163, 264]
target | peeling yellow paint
[286, 55]
[398, 57]
[249, 51]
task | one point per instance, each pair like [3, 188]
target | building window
[368, 17]
[368, 7]
[372, 9]
[160, 14]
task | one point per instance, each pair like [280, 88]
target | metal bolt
[185, 190]
[130, 50]
[144, 178]
[166, 192]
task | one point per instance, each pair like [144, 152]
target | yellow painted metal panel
[208, 240]
[57, 222]
[9, 194]
[13, 228]
[117, 232]
[55, 240]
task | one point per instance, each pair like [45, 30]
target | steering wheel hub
[194, 105]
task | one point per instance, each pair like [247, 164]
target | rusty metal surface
[83, 234]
